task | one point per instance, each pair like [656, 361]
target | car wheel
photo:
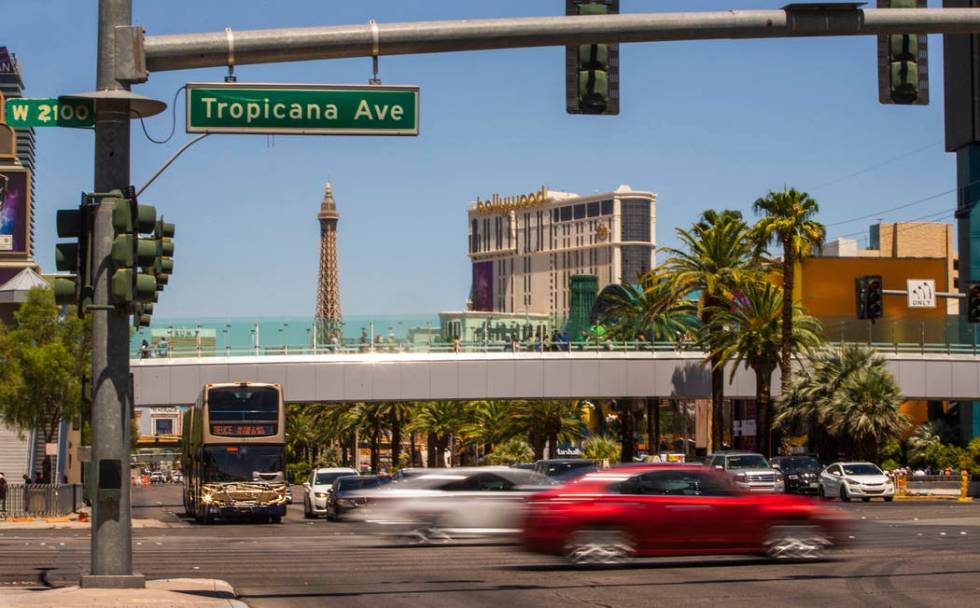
[865, 499]
[307, 513]
[889, 498]
[796, 542]
[275, 519]
[605, 547]
[844, 496]
[821, 492]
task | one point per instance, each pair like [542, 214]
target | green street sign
[51, 112]
[302, 109]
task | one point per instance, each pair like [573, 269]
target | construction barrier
[40, 500]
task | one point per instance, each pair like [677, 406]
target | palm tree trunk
[715, 416]
[789, 270]
[396, 437]
[537, 444]
[763, 411]
[411, 449]
[430, 450]
[651, 445]
[626, 432]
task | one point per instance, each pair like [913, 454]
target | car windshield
[799, 464]
[356, 483]
[861, 469]
[243, 462]
[747, 461]
[325, 479]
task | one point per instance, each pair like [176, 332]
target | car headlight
[320, 494]
[853, 481]
[207, 498]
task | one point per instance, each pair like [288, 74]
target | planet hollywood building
[525, 248]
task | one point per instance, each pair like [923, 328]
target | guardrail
[40, 500]
[181, 351]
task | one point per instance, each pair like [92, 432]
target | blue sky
[703, 124]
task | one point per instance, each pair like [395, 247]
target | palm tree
[788, 219]
[866, 412]
[655, 308]
[839, 383]
[491, 424]
[440, 420]
[922, 439]
[719, 256]
[548, 421]
[748, 331]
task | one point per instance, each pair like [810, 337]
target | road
[906, 553]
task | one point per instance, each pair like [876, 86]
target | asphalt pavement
[904, 553]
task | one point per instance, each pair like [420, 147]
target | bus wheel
[276, 519]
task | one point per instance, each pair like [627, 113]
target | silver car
[447, 504]
[749, 470]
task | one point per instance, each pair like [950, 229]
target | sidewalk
[176, 592]
[70, 522]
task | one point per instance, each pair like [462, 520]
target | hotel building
[524, 249]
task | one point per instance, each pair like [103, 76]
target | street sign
[922, 293]
[302, 109]
[50, 112]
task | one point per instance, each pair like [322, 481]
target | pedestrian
[335, 343]
[456, 345]
[27, 479]
[145, 350]
[3, 492]
[38, 478]
[163, 348]
[515, 345]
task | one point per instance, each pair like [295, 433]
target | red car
[609, 516]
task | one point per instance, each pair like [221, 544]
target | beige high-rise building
[525, 248]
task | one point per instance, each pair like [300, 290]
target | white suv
[749, 470]
[318, 487]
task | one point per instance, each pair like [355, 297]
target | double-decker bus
[234, 453]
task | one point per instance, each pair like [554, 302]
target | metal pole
[111, 547]
[183, 51]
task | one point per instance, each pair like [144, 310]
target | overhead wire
[173, 120]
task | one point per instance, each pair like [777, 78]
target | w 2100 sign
[302, 109]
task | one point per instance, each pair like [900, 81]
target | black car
[801, 474]
[343, 497]
[565, 469]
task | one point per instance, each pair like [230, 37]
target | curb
[928, 498]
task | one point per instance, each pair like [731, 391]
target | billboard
[15, 211]
[483, 286]
[7, 65]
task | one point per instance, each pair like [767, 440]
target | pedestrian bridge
[599, 374]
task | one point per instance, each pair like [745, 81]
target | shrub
[598, 447]
[512, 451]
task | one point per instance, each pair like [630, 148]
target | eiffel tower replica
[328, 321]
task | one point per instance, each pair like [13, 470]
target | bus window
[243, 462]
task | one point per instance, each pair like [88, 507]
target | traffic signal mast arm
[186, 51]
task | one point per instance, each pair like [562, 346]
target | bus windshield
[243, 403]
[243, 462]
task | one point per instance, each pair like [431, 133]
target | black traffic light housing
[874, 297]
[74, 257]
[903, 62]
[131, 252]
[592, 70]
[973, 303]
[859, 298]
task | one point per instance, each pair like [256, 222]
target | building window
[566, 214]
[636, 261]
[593, 209]
[636, 220]
[474, 236]
[580, 211]
[607, 207]
[163, 426]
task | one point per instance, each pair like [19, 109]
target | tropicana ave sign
[307, 109]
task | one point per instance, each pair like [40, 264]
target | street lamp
[227, 345]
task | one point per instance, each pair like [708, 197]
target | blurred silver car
[447, 504]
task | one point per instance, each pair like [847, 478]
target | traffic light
[592, 70]
[74, 257]
[163, 262]
[973, 303]
[130, 251]
[903, 62]
[873, 297]
[859, 290]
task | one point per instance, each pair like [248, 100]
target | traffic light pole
[111, 548]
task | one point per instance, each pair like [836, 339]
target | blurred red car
[609, 516]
